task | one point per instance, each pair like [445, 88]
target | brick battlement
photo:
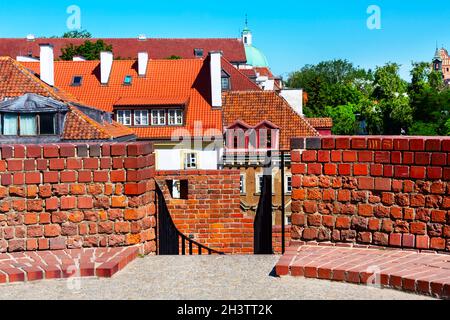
[64, 196]
[388, 191]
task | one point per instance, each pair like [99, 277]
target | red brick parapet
[64, 196]
[386, 191]
[211, 213]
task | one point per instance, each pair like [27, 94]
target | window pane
[28, 125]
[47, 123]
[10, 124]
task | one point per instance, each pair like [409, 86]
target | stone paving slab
[410, 271]
[199, 278]
[91, 262]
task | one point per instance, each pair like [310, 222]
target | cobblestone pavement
[204, 278]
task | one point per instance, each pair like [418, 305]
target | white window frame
[190, 163]
[175, 117]
[258, 183]
[158, 117]
[123, 116]
[242, 181]
[286, 184]
[142, 115]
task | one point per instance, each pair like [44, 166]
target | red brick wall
[212, 212]
[71, 196]
[385, 191]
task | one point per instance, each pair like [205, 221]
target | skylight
[128, 80]
[77, 81]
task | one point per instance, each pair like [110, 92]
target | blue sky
[290, 33]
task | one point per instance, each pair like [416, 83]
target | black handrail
[170, 236]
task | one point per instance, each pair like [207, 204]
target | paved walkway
[197, 277]
[423, 273]
[34, 266]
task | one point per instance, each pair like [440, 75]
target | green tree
[78, 34]
[89, 50]
[344, 119]
[330, 83]
[429, 101]
[392, 98]
[174, 57]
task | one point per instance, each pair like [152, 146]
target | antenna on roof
[246, 20]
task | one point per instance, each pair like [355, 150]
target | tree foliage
[88, 50]
[376, 102]
[78, 34]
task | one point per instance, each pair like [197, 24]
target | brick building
[256, 122]
[441, 63]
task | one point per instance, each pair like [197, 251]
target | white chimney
[106, 62]
[295, 99]
[216, 78]
[79, 58]
[47, 64]
[142, 63]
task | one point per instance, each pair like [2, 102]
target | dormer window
[128, 80]
[23, 124]
[198, 53]
[76, 81]
[226, 84]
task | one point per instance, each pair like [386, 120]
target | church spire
[246, 33]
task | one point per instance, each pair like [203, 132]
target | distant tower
[437, 60]
[247, 37]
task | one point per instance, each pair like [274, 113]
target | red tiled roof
[128, 48]
[264, 72]
[79, 126]
[252, 107]
[321, 123]
[166, 80]
[239, 81]
[149, 101]
[16, 80]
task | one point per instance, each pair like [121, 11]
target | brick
[366, 183]
[418, 172]
[34, 151]
[309, 156]
[52, 230]
[330, 169]
[68, 203]
[374, 143]
[323, 156]
[57, 164]
[342, 143]
[422, 242]
[365, 210]
[383, 184]
[349, 156]
[422, 158]
[360, 169]
[85, 203]
[68, 176]
[401, 171]
[417, 144]
[365, 156]
[395, 239]
[51, 151]
[434, 172]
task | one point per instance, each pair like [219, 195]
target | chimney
[142, 63]
[216, 78]
[47, 64]
[106, 62]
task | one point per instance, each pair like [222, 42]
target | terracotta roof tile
[185, 82]
[16, 81]
[78, 126]
[321, 122]
[239, 81]
[255, 106]
[128, 48]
